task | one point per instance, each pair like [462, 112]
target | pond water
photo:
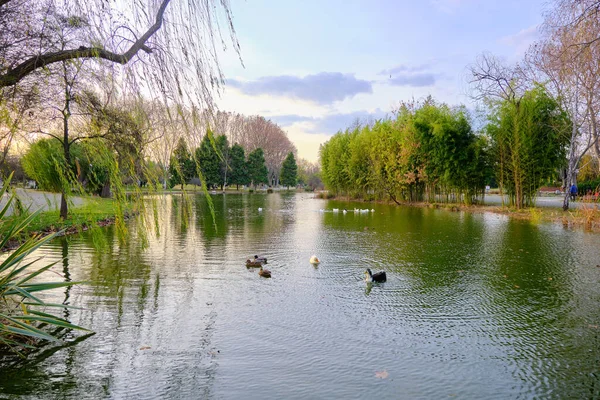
[475, 306]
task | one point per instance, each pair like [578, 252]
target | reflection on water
[475, 306]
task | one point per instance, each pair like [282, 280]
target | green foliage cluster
[289, 171]
[239, 168]
[181, 167]
[91, 163]
[217, 164]
[428, 152]
[584, 187]
[529, 139]
[257, 170]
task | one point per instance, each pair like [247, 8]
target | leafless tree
[492, 80]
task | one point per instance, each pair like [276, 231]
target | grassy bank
[95, 210]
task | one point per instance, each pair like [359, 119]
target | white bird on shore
[259, 209]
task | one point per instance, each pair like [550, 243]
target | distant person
[573, 191]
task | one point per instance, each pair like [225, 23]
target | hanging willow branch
[14, 75]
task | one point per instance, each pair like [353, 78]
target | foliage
[289, 171]
[181, 167]
[239, 168]
[90, 165]
[589, 169]
[257, 170]
[309, 175]
[208, 160]
[428, 152]
[529, 139]
[21, 319]
[223, 151]
[45, 163]
[585, 186]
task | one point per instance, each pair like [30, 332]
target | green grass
[93, 210]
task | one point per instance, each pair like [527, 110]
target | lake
[475, 306]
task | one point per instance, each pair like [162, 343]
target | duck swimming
[314, 260]
[377, 277]
[260, 258]
[252, 264]
[265, 273]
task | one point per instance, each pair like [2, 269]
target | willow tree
[163, 34]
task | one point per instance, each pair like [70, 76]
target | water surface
[476, 306]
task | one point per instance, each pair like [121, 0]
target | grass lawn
[94, 209]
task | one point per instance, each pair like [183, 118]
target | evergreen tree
[181, 167]
[208, 160]
[289, 171]
[257, 170]
[239, 168]
[225, 160]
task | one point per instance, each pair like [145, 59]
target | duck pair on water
[258, 261]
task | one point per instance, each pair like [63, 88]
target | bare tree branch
[14, 75]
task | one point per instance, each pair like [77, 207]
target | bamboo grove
[429, 152]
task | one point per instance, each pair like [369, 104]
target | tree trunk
[64, 208]
[573, 159]
[105, 190]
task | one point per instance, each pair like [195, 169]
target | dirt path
[36, 199]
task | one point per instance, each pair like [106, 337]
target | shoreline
[584, 217]
[93, 212]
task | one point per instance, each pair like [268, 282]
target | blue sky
[315, 66]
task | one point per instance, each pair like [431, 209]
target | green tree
[289, 171]
[239, 168]
[208, 160]
[181, 167]
[529, 138]
[45, 163]
[90, 167]
[257, 170]
[428, 152]
[225, 160]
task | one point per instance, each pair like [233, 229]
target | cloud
[415, 80]
[322, 88]
[328, 124]
[410, 75]
[399, 69]
[521, 40]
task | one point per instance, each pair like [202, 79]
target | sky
[315, 66]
